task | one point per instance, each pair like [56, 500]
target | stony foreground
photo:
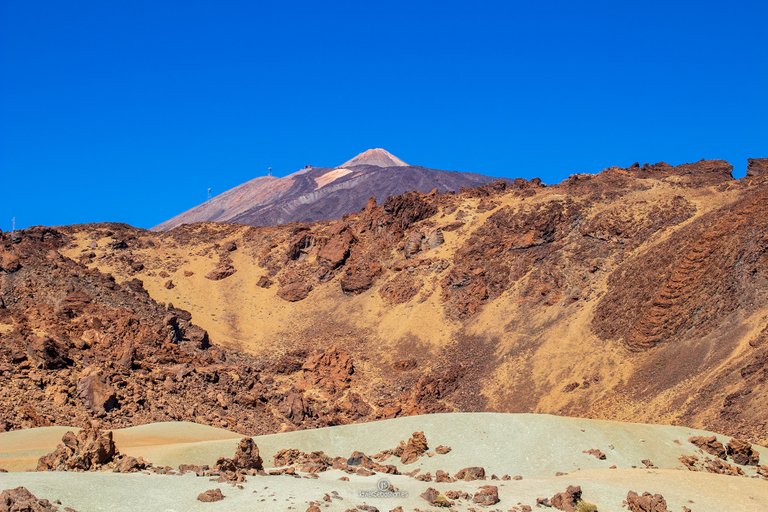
[525, 458]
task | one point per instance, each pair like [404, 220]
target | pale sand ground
[534, 446]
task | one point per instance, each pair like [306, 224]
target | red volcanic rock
[94, 390]
[88, 450]
[470, 473]
[127, 464]
[21, 500]
[722, 468]
[710, 445]
[568, 499]
[646, 502]
[336, 250]
[246, 457]
[742, 453]
[410, 451]
[487, 495]
[9, 262]
[442, 449]
[294, 291]
[210, 496]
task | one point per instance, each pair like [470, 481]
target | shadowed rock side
[634, 294]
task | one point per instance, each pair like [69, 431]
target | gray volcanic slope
[323, 193]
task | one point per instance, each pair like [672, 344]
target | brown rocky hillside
[636, 294]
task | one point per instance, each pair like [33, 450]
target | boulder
[210, 496]
[486, 495]
[568, 499]
[95, 392]
[646, 502]
[436, 498]
[470, 473]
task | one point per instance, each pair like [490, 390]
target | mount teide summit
[322, 193]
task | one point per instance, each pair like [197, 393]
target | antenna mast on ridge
[209, 193]
[269, 171]
[13, 225]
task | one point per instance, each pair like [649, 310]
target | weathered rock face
[88, 450]
[21, 500]
[646, 502]
[757, 167]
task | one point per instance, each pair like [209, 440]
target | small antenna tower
[209, 193]
[13, 225]
[269, 171]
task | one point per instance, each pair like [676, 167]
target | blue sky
[129, 111]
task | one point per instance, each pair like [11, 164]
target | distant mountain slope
[323, 193]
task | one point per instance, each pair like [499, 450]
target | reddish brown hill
[635, 294]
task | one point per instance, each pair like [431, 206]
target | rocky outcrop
[246, 461]
[741, 452]
[88, 450]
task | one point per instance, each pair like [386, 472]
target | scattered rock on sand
[486, 495]
[442, 449]
[646, 502]
[568, 499]
[210, 496]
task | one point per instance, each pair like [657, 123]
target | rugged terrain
[634, 294]
[322, 193]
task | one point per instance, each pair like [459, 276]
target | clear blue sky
[128, 111]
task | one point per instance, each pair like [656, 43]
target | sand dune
[533, 446]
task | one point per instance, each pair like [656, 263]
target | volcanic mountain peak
[376, 156]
